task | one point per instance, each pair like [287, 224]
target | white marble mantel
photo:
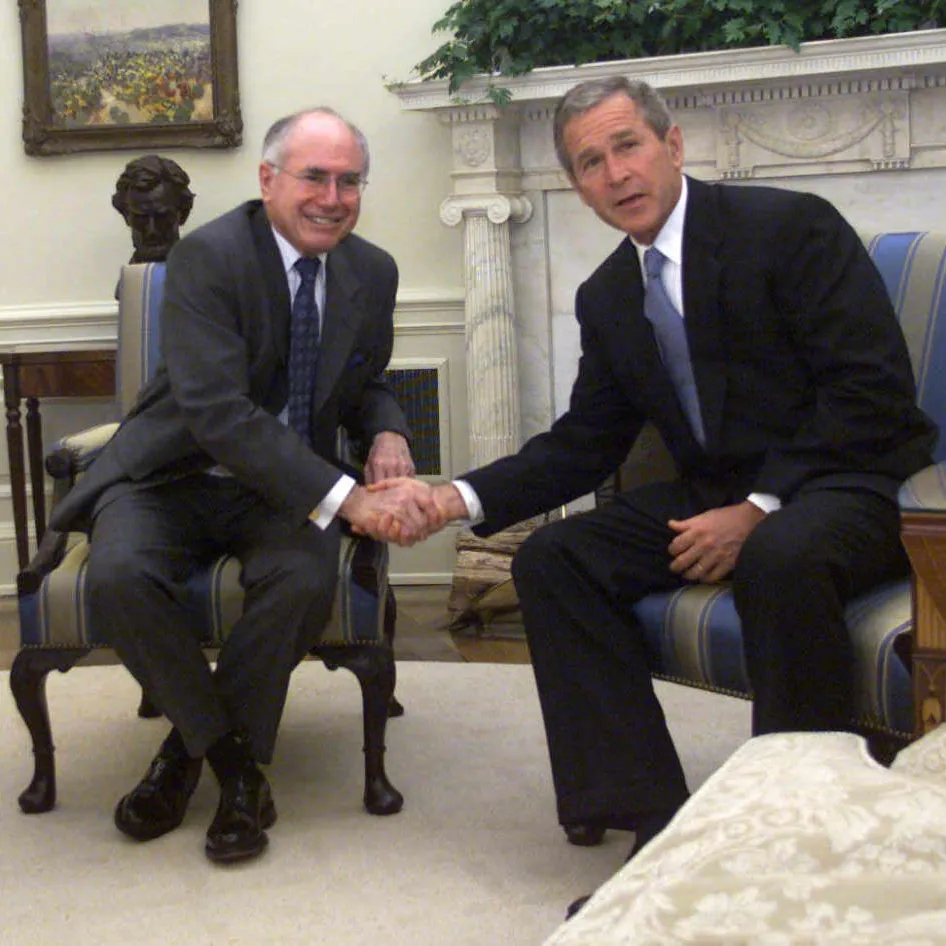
[860, 121]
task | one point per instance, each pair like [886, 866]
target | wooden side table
[34, 374]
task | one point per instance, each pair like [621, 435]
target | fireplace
[860, 121]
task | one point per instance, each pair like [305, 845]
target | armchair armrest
[51, 551]
[74, 453]
[648, 462]
[925, 491]
[350, 454]
[69, 457]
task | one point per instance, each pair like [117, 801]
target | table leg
[34, 442]
[11, 397]
[924, 537]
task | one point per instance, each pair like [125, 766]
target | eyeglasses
[348, 184]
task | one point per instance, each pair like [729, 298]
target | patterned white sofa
[800, 839]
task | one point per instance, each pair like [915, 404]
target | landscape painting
[130, 67]
[102, 74]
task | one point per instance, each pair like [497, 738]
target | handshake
[402, 509]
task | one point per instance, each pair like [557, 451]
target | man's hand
[389, 457]
[706, 546]
[445, 504]
[401, 510]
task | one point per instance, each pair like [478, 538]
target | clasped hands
[402, 509]
[394, 506]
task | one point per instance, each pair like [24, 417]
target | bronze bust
[153, 196]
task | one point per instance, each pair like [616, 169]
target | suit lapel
[274, 279]
[340, 321]
[701, 284]
[639, 340]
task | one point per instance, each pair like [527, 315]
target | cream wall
[63, 242]
[62, 238]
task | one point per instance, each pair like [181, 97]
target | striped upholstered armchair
[55, 630]
[899, 630]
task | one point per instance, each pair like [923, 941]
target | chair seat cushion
[56, 615]
[693, 635]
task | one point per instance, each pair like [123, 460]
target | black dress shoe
[246, 809]
[158, 803]
[585, 835]
[576, 905]
[646, 828]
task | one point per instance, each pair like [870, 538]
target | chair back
[139, 329]
[913, 268]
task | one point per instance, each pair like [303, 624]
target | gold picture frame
[168, 85]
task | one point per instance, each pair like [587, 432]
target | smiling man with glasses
[277, 327]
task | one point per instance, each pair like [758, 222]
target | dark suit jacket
[222, 381]
[802, 371]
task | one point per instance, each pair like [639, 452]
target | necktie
[671, 340]
[303, 349]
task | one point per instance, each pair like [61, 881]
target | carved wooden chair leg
[395, 707]
[374, 668]
[28, 683]
[147, 709]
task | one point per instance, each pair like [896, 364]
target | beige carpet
[476, 857]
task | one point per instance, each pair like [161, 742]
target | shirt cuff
[325, 512]
[472, 502]
[765, 501]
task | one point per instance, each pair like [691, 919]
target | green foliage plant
[512, 37]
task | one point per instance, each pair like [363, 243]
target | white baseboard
[418, 578]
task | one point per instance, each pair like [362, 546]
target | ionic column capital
[497, 208]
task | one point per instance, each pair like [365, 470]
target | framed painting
[103, 75]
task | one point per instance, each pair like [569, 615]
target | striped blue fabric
[56, 616]
[151, 294]
[139, 328]
[913, 267]
[693, 635]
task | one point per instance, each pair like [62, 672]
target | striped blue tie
[672, 340]
[303, 349]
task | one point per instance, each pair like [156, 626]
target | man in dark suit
[229, 449]
[786, 398]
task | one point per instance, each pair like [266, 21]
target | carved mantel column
[486, 178]
[491, 358]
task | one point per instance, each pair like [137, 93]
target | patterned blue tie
[672, 340]
[303, 349]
